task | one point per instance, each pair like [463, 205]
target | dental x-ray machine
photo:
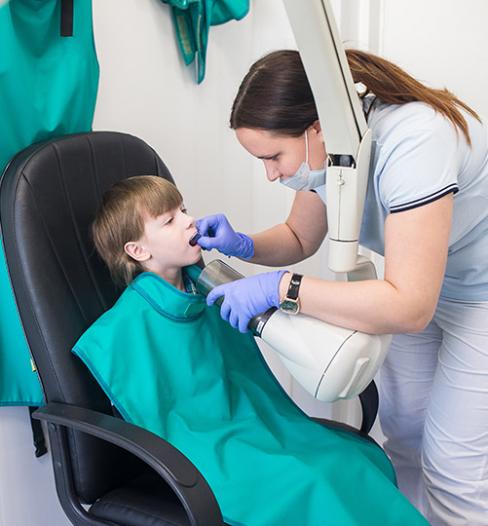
[330, 362]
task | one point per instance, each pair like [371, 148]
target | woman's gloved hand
[216, 232]
[247, 297]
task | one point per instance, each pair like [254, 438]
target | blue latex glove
[216, 232]
[247, 297]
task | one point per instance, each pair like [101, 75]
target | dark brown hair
[275, 94]
[120, 219]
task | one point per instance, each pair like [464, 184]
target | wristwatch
[291, 303]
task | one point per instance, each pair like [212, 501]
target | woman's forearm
[295, 239]
[277, 246]
[373, 306]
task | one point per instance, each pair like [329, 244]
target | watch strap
[294, 287]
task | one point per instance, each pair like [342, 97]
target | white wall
[27, 492]
[442, 43]
[146, 90]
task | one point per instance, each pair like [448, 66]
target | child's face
[165, 243]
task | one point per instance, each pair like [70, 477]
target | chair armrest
[369, 399]
[178, 471]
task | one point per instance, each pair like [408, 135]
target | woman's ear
[136, 251]
[318, 130]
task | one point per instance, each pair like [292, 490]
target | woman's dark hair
[275, 94]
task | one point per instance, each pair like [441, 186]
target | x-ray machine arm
[346, 133]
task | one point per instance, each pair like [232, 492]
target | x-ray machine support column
[346, 134]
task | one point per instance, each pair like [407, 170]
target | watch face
[289, 306]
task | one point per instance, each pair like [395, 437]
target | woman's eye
[184, 210]
[169, 221]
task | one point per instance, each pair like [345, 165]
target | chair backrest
[49, 196]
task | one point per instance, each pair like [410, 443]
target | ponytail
[393, 85]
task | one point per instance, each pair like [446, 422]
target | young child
[171, 365]
[143, 227]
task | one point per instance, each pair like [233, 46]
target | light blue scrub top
[419, 156]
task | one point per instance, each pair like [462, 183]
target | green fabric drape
[192, 20]
[171, 365]
[48, 87]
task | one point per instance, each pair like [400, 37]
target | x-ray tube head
[330, 362]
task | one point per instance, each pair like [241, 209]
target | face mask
[305, 178]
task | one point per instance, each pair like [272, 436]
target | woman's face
[282, 155]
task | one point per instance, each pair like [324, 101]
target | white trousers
[434, 413]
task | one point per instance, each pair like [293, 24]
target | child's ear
[136, 251]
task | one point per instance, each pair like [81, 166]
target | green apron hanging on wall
[192, 20]
[48, 87]
[171, 365]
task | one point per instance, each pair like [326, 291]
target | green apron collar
[168, 300]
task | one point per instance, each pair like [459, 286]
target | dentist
[426, 211]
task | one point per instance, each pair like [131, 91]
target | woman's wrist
[284, 284]
[246, 246]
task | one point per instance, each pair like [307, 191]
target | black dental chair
[107, 471]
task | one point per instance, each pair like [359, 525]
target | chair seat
[139, 504]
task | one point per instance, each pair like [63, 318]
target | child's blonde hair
[120, 219]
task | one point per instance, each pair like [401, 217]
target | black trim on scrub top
[425, 200]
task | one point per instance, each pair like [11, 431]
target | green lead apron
[48, 86]
[192, 20]
[171, 365]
